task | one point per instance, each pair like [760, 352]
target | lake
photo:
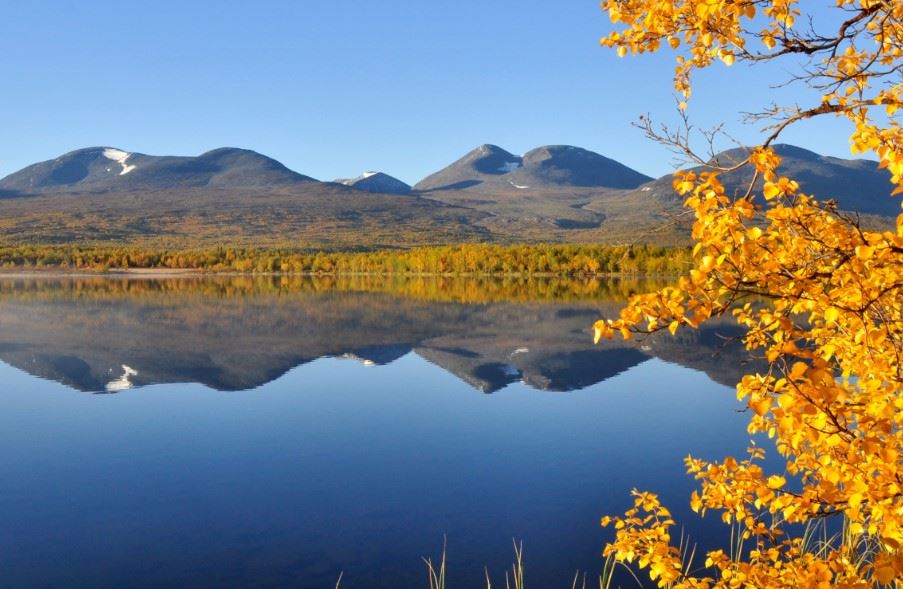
[273, 432]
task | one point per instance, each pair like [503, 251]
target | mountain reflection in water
[361, 460]
[99, 334]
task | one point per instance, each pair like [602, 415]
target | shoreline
[8, 273]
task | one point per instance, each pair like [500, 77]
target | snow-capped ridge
[120, 157]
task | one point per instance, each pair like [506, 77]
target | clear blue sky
[333, 88]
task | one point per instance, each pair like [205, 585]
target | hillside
[310, 214]
[231, 196]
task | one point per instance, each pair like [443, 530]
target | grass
[515, 577]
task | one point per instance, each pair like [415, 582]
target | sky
[334, 88]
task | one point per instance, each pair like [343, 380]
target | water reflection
[110, 335]
[362, 445]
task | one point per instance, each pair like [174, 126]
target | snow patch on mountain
[120, 157]
[509, 167]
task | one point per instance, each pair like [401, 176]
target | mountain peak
[548, 166]
[371, 181]
[489, 148]
[567, 165]
[475, 167]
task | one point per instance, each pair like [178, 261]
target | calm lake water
[275, 432]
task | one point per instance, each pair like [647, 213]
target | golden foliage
[832, 325]
[462, 259]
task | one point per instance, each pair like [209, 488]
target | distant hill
[377, 182]
[857, 185]
[541, 168]
[240, 197]
[108, 169]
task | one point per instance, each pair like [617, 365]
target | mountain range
[551, 193]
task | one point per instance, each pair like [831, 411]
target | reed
[515, 576]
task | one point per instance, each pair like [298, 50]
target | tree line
[463, 259]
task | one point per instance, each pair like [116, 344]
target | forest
[464, 259]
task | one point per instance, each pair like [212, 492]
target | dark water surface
[268, 433]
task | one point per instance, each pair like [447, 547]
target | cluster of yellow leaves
[827, 313]
[643, 537]
[821, 300]
[709, 30]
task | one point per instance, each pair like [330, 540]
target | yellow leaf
[776, 482]
[761, 405]
[885, 574]
[601, 328]
[864, 252]
[798, 370]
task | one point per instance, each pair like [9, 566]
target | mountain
[377, 182]
[856, 185]
[108, 169]
[483, 164]
[237, 196]
[564, 165]
[242, 198]
[552, 166]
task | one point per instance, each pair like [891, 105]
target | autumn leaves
[831, 326]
